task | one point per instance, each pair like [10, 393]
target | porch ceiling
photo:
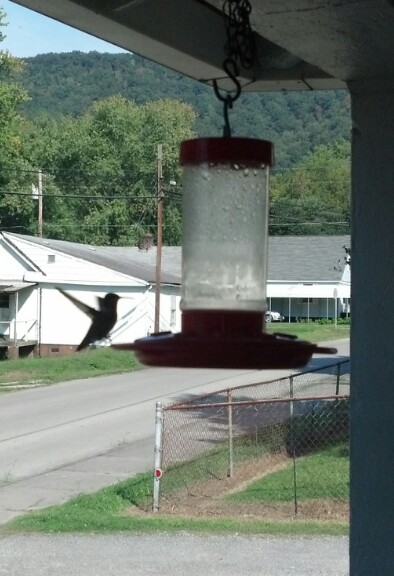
[302, 44]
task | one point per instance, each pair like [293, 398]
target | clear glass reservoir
[225, 224]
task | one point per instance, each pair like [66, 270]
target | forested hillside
[68, 84]
[84, 130]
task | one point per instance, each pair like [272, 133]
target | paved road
[82, 435]
[164, 555]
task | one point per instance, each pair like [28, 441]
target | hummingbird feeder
[224, 243]
[224, 265]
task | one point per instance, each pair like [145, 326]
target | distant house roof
[290, 258]
[67, 262]
[307, 258]
[15, 287]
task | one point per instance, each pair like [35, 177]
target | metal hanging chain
[240, 47]
[240, 40]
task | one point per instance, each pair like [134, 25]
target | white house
[307, 277]
[36, 316]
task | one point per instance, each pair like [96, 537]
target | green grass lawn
[96, 362]
[103, 361]
[108, 510]
[323, 475]
[311, 331]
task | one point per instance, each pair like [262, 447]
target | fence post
[230, 470]
[157, 473]
[291, 394]
[338, 379]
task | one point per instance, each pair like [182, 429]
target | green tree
[314, 197]
[15, 211]
[104, 165]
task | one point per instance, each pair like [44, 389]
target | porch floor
[7, 343]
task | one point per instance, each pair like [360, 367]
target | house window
[4, 300]
[306, 300]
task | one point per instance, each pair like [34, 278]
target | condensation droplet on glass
[246, 172]
[236, 166]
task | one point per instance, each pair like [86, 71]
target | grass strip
[310, 331]
[106, 511]
[211, 464]
[102, 361]
[323, 475]
[96, 362]
[118, 508]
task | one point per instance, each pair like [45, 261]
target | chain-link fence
[271, 450]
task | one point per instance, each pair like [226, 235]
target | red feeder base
[220, 339]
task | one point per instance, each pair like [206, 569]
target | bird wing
[91, 312]
[101, 302]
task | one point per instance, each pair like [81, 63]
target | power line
[77, 171]
[309, 224]
[89, 225]
[84, 196]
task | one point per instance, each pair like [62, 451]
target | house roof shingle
[290, 258]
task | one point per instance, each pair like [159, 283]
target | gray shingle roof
[307, 258]
[290, 258]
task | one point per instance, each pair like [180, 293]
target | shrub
[322, 426]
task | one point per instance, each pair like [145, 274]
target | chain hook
[240, 46]
[230, 68]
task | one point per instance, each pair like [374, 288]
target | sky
[29, 33]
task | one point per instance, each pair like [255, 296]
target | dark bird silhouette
[103, 319]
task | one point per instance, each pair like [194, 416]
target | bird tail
[84, 344]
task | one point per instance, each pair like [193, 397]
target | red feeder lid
[267, 351]
[244, 151]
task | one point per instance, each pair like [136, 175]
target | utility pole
[159, 234]
[40, 203]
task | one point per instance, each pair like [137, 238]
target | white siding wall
[27, 314]
[170, 312]
[64, 324]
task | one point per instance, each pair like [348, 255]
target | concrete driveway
[177, 555]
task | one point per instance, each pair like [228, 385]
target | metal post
[40, 203]
[230, 471]
[335, 307]
[291, 394]
[39, 320]
[158, 453]
[16, 296]
[338, 379]
[159, 234]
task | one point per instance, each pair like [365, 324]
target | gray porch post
[16, 302]
[372, 331]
